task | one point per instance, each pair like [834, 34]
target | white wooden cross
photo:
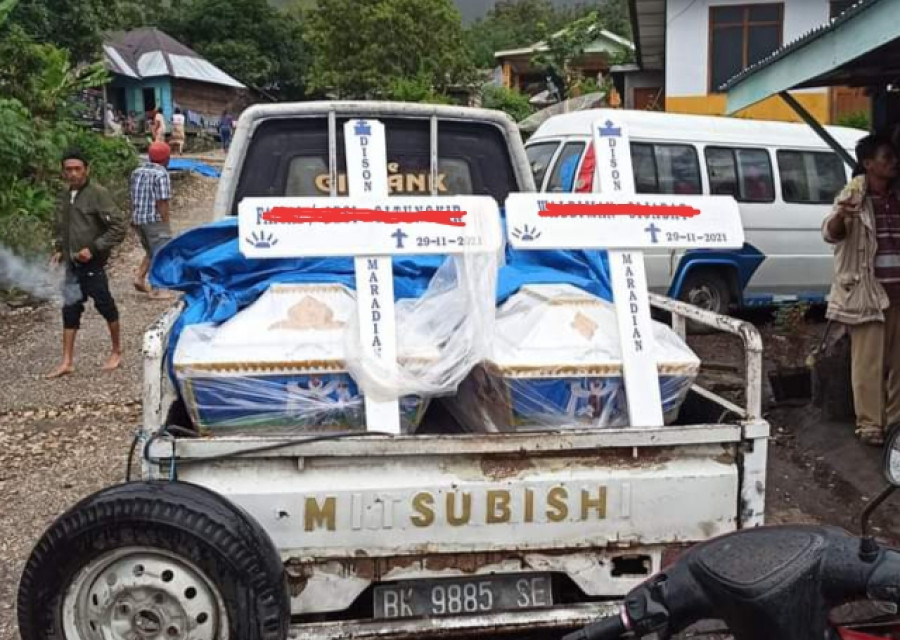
[293, 228]
[624, 223]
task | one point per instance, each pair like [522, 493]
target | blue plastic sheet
[187, 164]
[217, 281]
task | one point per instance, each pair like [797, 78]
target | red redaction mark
[297, 215]
[564, 210]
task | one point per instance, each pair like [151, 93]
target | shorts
[84, 281]
[153, 236]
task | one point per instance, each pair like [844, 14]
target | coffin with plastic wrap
[557, 363]
[280, 364]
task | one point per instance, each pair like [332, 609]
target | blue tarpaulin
[206, 264]
[187, 164]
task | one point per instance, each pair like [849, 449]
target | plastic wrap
[455, 316]
[556, 363]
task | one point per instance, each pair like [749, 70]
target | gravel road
[61, 440]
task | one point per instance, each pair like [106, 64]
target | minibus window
[539, 157]
[643, 164]
[722, 172]
[677, 168]
[755, 171]
[562, 180]
[665, 168]
[745, 174]
[809, 177]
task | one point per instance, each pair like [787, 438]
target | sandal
[872, 436]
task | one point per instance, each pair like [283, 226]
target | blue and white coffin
[557, 363]
[280, 365]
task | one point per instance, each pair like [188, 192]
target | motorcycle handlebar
[610, 628]
[771, 582]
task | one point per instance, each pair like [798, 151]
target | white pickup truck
[372, 536]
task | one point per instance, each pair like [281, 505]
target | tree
[251, 40]
[361, 49]
[512, 24]
[615, 17]
[564, 47]
[511, 101]
[74, 25]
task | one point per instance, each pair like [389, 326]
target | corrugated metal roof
[149, 53]
[860, 47]
[200, 70]
[153, 64]
[848, 14]
[116, 63]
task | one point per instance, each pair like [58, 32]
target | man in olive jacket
[864, 226]
[88, 225]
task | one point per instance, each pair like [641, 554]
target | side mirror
[891, 457]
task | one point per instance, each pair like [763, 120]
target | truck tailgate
[321, 506]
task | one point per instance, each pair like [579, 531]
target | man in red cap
[151, 191]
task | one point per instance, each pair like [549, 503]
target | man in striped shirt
[151, 191]
[864, 226]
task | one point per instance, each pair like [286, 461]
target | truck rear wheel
[166, 560]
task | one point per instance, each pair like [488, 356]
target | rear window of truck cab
[290, 158]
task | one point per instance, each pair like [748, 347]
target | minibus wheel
[154, 560]
[709, 290]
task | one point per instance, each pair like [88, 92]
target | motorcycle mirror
[891, 460]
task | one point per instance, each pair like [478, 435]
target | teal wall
[134, 93]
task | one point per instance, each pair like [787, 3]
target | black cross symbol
[653, 230]
[399, 235]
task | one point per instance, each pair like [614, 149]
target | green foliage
[362, 49]
[859, 120]
[510, 101]
[566, 46]
[513, 24]
[74, 25]
[112, 160]
[415, 89]
[253, 41]
[36, 89]
[615, 17]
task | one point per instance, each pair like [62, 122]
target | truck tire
[154, 559]
[707, 289]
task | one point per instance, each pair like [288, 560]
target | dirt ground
[64, 439]
[61, 440]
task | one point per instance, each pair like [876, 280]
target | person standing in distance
[151, 191]
[87, 227]
[864, 227]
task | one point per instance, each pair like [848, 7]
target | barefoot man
[88, 225]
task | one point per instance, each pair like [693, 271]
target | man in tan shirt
[864, 226]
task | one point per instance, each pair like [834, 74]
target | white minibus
[783, 175]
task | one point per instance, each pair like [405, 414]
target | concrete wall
[687, 58]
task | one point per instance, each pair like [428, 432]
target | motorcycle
[770, 583]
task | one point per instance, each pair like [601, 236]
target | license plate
[461, 596]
